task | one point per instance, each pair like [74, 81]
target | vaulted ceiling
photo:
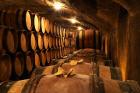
[102, 14]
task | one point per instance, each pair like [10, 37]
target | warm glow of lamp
[73, 20]
[58, 5]
[79, 28]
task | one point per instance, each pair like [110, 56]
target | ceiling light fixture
[79, 28]
[73, 20]
[58, 5]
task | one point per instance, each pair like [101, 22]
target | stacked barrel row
[72, 77]
[89, 38]
[28, 41]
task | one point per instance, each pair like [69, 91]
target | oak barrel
[67, 34]
[74, 84]
[83, 68]
[48, 54]
[2, 17]
[50, 41]
[7, 18]
[47, 25]
[109, 72]
[58, 30]
[56, 42]
[61, 31]
[2, 30]
[19, 64]
[33, 40]
[115, 86]
[27, 40]
[29, 65]
[40, 40]
[17, 18]
[36, 22]
[43, 57]
[55, 29]
[24, 42]
[24, 19]
[66, 42]
[5, 67]
[51, 27]
[43, 24]
[37, 59]
[46, 41]
[49, 84]
[8, 40]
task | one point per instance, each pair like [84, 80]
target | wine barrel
[43, 57]
[66, 42]
[24, 19]
[75, 84]
[8, 40]
[109, 72]
[55, 29]
[33, 40]
[73, 42]
[56, 42]
[62, 42]
[24, 43]
[46, 41]
[37, 60]
[27, 40]
[65, 51]
[52, 54]
[2, 17]
[55, 54]
[36, 22]
[61, 31]
[64, 32]
[17, 18]
[53, 42]
[19, 64]
[10, 18]
[58, 30]
[48, 54]
[50, 41]
[67, 34]
[5, 67]
[2, 38]
[59, 42]
[7, 18]
[40, 40]
[51, 27]
[100, 59]
[77, 69]
[58, 53]
[29, 65]
[49, 84]
[47, 25]
[43, 24]
[62, 52]
[115, 86]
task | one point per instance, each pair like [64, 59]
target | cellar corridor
[69, 46]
